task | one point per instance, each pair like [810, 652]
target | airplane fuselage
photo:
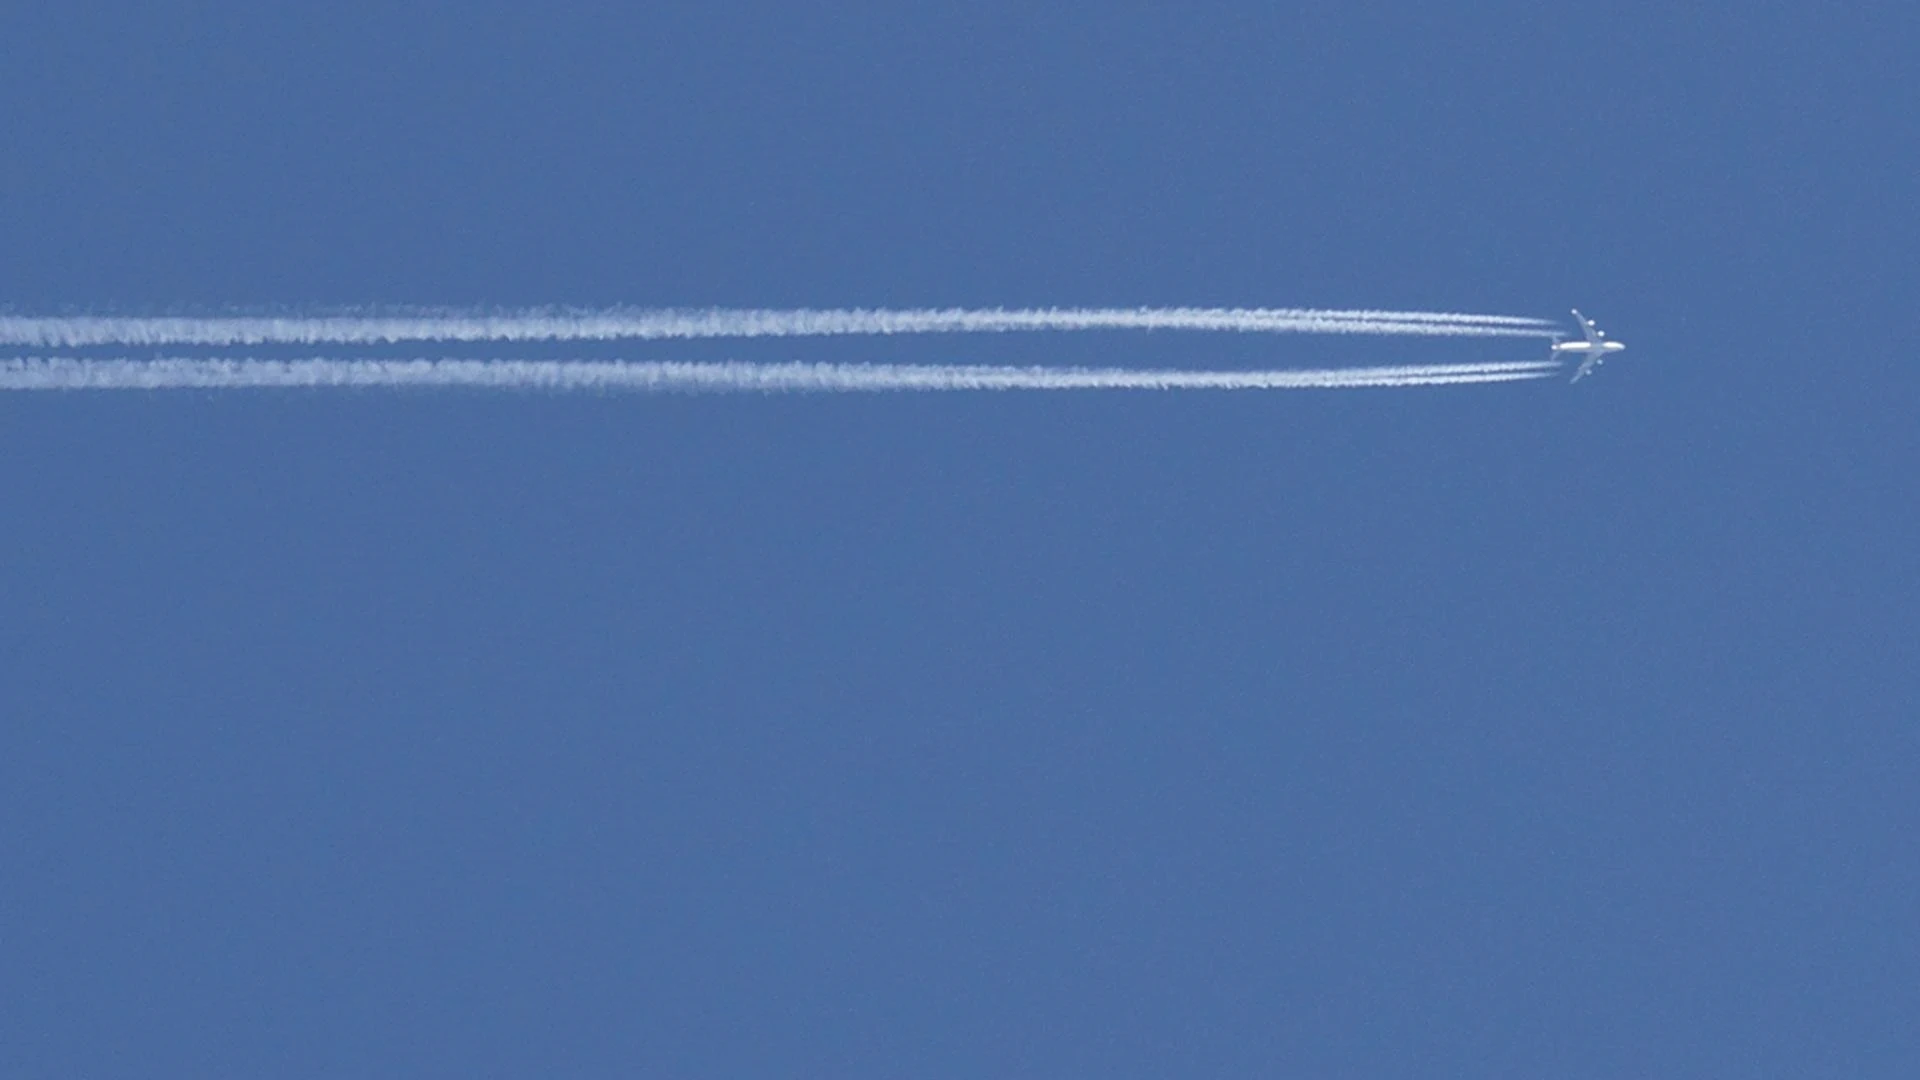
[1601, 348]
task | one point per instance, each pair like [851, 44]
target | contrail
[65, 373]
[619, 324]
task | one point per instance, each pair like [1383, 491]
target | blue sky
[1519, 730]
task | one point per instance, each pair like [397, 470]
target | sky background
[1528, 730]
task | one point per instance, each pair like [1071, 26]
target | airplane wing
[1586, 366]
[1587, 327]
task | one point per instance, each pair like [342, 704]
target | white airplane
[1595, 349]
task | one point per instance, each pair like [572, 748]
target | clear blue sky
[1518, 731]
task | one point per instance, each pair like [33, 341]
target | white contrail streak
[64, 373]
[81, 331]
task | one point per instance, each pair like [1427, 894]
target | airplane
[1596, 348]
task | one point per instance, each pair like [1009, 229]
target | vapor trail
[62, 373]
[81, 331]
